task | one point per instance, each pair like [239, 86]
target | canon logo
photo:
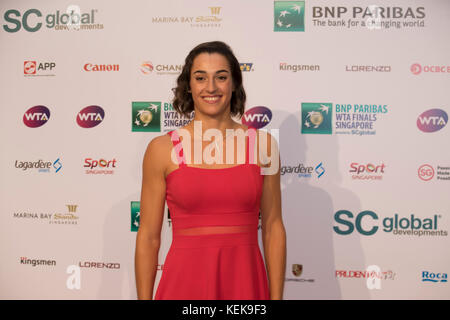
[101, 67]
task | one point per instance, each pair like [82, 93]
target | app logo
[36, 116]
[432, 120]
[146, 67]
[245, 67]
[146, 116]
[257, 117]
[38, 69]
[434, 277]
[426, 172]
[289, 16]
[29, 67]
[316, 118]
[367, 171]
[90, 116]
[135, 215]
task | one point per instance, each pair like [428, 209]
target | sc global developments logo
[366, 224]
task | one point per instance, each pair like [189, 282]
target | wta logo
[90, 116]
[257, 117]
[36, 116]
[432, 120]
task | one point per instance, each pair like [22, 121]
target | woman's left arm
[273, 231]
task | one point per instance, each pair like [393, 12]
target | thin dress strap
[178, 148]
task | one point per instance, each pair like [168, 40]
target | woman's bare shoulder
[158, 151]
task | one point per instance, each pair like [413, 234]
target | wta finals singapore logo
[289, 16]
[146, 116]
[316, 118]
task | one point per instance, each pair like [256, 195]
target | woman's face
[211, 83]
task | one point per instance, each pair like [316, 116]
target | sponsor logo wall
[363, 134]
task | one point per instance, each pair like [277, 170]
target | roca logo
[36, 116]
[257, 117]
[90, 116]
[432, 120]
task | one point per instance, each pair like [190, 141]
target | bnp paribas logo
[316, 118]
[289, 16]
[146, 116]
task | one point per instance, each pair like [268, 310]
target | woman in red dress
[214, 204]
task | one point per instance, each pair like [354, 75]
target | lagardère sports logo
[90, 116]
[257, 117]
[36, 116]
[432, 120]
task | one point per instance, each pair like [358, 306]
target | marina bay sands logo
[289, 16]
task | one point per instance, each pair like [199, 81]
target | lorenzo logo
[36, 116]
[90, 116]
[257, 117]
[432, 120]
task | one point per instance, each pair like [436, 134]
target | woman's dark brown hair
[183, 102]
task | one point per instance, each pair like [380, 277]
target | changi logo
[257, 117]
[398, 226]
[316, 118]
[31, 68]
[245, 67]
[161, 69]
[289, 16]
[434, 277]
[135, 215]
[417, 68]
[146, 116]
[100, 67]
[72, 19]
[90, 116]
[146, 67]
[432, 120]
[36, 116]
[367, 171]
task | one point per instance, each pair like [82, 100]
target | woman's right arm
[148, 237]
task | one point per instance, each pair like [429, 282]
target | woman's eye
[223, 78]
[199, 78]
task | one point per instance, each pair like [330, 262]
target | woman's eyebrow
[220, 71]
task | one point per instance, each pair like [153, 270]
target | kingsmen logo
[146, 116]
[289, 16]
[316, 118]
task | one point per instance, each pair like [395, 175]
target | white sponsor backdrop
[356, 66]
